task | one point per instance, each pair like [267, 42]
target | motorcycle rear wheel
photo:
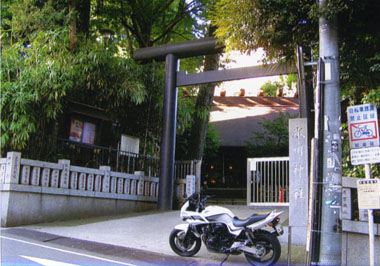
[269, 248]
[184, 248]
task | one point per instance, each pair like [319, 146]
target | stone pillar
[25, 175]
[299, 178]
[127, 186]
[64, 182]
[134, 187]
[82, 181]
[74, 180]
[120, 185]
[153, 189]
[106, 179]
[113, 184]
[12, 171]
[98, 183]
[36, 176]
[45, 181]
[90, 182]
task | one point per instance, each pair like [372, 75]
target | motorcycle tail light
[275, 222]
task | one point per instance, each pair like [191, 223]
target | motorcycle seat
[237, 222]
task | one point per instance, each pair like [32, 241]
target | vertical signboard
[298, 172]
[190, 185]
[363, 128]
[369, 193]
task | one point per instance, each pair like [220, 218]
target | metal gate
[268, 181]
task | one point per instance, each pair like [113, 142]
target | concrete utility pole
[330, 244]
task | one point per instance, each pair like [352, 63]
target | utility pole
[330, 242]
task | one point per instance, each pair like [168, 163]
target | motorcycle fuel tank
[217, 213]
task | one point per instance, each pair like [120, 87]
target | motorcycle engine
[216, 237]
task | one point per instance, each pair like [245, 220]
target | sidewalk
[149, 231]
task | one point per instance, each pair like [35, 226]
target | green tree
[279, 26]
[270, 88]
[273, 140]
[211, 144]
[41, 74]
[69, 58]
[202, 109]
[151, 23]
[147, 23]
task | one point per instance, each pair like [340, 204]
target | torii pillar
[171, 53]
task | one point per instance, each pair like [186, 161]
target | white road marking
[46, 262]
[67, 251]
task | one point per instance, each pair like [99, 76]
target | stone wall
[34, 191]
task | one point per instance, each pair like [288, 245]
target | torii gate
[174, 79]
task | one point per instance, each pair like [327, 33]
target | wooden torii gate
[174, 79]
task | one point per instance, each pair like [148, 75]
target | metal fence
[93, 156]
[268, 181]
[184, 168]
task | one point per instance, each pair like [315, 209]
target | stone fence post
[106, 178]
[64, 182]
[12, 170]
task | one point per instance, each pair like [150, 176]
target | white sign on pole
[363, 126]
[365, 155]
[363, 129]
[190, 185]
[369, 193]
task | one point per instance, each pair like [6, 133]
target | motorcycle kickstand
[228, 254]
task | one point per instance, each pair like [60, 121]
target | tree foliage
[147, 23]
[54, 52]
[279, 26]
[40, 74]
[270, 88]
[273, 140]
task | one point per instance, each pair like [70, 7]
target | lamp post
[107, 35]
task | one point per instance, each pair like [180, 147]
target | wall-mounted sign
[88, 133]
[76, 130]
[82, 131]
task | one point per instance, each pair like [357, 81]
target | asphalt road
[28, 247]
[20, 252]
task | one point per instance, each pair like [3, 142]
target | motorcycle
[222, 232]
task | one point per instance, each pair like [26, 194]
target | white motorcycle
[222, 232]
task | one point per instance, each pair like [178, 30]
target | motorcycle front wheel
[184, 247]
[268, 250]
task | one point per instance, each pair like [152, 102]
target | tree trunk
[72, 27]
[84, 9]
[202, 109]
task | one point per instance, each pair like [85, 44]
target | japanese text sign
[365, 155]
[363, 126]
[369, 193]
